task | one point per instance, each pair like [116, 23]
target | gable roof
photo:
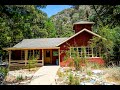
[46, 42]
[78, 34]
[39, 43]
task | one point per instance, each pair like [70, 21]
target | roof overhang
[83, 22]
[12, 48]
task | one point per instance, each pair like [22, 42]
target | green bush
[89, 72]
[71, 79]
[32, 63]
[4, 70]
[60, 74]
[19, 78]
[76, 81]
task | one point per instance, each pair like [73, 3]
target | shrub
[32, 63]
[76, 81]
[19, 78]
[70, 79]
[89, 72]
[73, 80]
[60, 74]
[4, 71]
[93, 65]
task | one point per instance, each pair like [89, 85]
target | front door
[48, 56]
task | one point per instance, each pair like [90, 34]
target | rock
[106, 83]
[82, 83]
[97, 71]
[113, 83]
[85, 83]
[88, 83]
[93, 81]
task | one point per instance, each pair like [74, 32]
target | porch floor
[45, 76]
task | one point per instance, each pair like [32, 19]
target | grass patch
[113, 74]
[19, 78]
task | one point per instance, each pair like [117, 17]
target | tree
[19, 22]
[49, 26]
[104, 44]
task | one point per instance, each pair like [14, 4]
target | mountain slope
[64, 20]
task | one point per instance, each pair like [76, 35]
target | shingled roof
[39, 43]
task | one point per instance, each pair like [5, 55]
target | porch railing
[23, 62]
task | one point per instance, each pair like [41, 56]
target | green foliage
[77, 81]
[106, 43]
[4, 70]
[32, 62]
[60, 74]
[89, 72]
[50, 29]
[21, 21]
[19, 78]
[73, 80]
[106, 14]
[77, 59]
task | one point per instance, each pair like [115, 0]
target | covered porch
[43, 56]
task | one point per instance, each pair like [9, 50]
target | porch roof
[39, 43]
[12, 48]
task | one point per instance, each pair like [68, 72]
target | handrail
[23, 61]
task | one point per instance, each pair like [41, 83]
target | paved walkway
[45, 76]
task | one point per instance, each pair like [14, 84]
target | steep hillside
[64, 20]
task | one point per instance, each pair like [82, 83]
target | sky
[54, 9]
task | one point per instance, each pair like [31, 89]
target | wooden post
[92, 53]
[26, 56]
[70, 52]
[33, 54]
[9, 57]
[42, 57]
[59, 56]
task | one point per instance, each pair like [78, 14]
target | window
[96, 52]
[55, 53]
[37, 54]
[34, 53]
[87, 51]
[73, 52]
[30, 54]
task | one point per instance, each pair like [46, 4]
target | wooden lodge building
[52, 50]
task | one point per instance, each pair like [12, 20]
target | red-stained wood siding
[97, 60]
[79, 40]
[79, 27]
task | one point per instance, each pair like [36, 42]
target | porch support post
[9, 57]
[26, 56]
[59, 56]
[92, 52]
[42, 57]
[70, 52]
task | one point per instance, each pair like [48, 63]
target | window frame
[89, 52]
